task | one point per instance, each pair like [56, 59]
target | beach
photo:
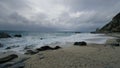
[102, 52]
[92, 56]
[59, 34]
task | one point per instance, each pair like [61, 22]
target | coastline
[90, 56]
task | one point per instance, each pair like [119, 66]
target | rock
[80, 43]
[112, 26]
[57, 47]
[8, 48]
[8, 58]
[19, 65]
[116, 44]
[17, 35]
[7, 65]
[41, 38]
[43, 48]
[31, 52]
[4, 35]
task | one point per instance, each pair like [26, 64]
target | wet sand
[91, 56]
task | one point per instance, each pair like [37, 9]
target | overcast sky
[56, 15]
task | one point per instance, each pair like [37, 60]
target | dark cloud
[56, 15]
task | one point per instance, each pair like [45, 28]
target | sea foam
[33, 40]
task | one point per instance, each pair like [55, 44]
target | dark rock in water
[17, 35]
[7, 65]
[4, 35]
[57, 47]
[44, 48]
[8, 48]
[80, 43]
[8, 58]
[116, 44]
[19, 63]
[1, 45]
[41, 38]
[31, 52]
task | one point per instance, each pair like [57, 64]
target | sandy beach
[73, 55]
[91, 56]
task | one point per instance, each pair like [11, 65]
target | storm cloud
[56, 15]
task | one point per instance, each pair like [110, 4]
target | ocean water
[33, 40]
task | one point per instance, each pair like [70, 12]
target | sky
[56, 15]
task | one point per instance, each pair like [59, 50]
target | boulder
[57, 47]
[43, 48]
[7, 65]
[8, 58]
[80, 43]
[8, 48]
[4, 35]
[17, 35]
[31, 52]
[41, 38]
[115, 44]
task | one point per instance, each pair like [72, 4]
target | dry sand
[91, 56]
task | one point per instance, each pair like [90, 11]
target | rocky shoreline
[15, 60]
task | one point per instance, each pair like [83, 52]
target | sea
[33, 40]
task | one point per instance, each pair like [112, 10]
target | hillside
[112, 26]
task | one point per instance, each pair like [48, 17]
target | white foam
[35, 41]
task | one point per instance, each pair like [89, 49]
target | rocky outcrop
[31, 52]
[8, 58]
[80, 43]
[113, 26]
[17, 35]
[44, 48]
[4, 35]
[57, 47]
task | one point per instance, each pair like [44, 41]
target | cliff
[112, 26]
